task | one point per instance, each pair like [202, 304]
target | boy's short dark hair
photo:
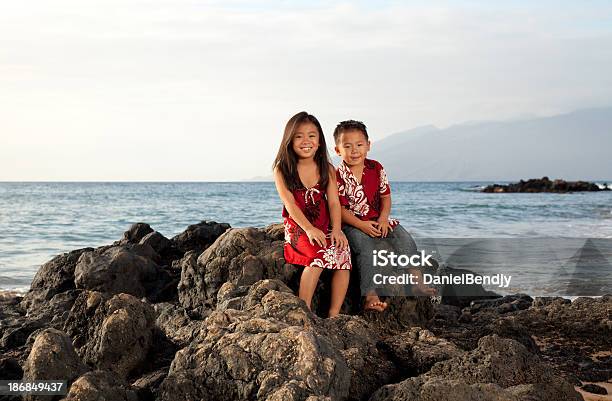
[350, 125]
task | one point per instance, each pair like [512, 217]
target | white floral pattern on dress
[333, 258]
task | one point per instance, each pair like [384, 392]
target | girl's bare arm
[333, 201]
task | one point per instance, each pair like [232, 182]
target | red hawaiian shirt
[363, 199]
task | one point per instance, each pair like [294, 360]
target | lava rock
[544, 184]
[117, 269]
[111, 333]
[52, 358]
[101, 385]
[198, 237]
[54, 277]
[498, 369]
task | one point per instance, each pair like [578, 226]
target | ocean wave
[474, 188]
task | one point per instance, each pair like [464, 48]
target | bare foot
[372, 302]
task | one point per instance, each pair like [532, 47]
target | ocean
[40, 220]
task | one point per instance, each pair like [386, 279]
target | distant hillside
[571, 146]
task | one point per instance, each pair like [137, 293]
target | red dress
[298, 250]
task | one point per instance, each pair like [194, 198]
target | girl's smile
[306, 140]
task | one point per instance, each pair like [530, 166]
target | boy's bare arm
[368, 227]
[385, 207]
[349, 218]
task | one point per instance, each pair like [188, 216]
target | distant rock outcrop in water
[212, 314]
[544, 184]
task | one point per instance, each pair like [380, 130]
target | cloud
[187, 90]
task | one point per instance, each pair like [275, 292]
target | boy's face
[353, 147]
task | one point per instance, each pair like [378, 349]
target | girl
[306, 183]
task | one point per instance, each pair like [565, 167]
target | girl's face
[306, 140]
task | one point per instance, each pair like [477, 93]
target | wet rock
[111, 333]
[52, 358]
[101, 385]
[198, 237]
[117, 269]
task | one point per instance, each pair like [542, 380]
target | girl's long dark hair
[286, 159]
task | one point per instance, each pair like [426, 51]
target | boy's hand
[316, 236]
[370, 228]
[339, 239]
[384, 227]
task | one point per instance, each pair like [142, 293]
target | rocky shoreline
[544, 184]
[211, 314]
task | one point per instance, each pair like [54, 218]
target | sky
[176, 90]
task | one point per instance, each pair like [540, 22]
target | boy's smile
[306, 140]
[353, 147]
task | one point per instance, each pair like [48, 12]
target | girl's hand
[370, 228]
[316, 236]
[339, 239]
[384, 227]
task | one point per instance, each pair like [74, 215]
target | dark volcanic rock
[100, 386]
[10, 369]
[111, 333]
[240, 256]
[272, 347]
[176, 324]
[54, 277]
[117, 269]
[52, 358]
[461, 295]
[136, 233]
[146, 386]
[262, 352]
[594, 389]
[544, 184]
[575, 336]
[498, 369]
[198, 237]
[417, 350]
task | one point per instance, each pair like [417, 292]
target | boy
[365, 194]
